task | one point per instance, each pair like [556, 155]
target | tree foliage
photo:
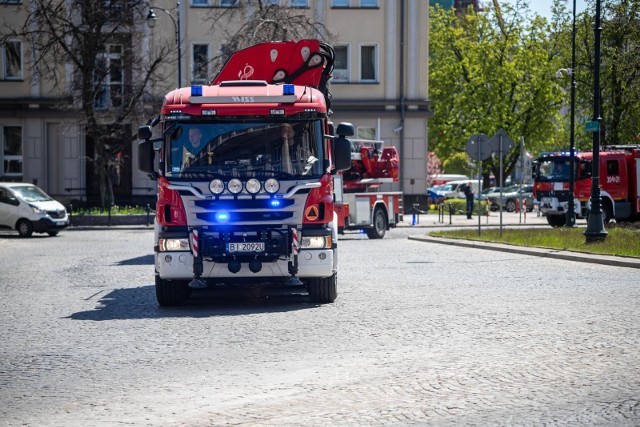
[68, 42]
[620, 71]
[491, 70]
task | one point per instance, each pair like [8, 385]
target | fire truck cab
[244, 170]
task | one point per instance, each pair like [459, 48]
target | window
[108, 78]
[612, 168]
[226, 3]
[341, 64]
[289, 3]
[12, 60]
[199, 2]
[11, 151]
[368, 61]
[200, 61]
[354, 3]
[365, 132]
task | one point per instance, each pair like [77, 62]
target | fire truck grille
[222, 217]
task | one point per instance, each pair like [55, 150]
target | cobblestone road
[421, 334]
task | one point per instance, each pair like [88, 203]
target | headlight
[316, 242]
[253, 186]
[271, 185]
[235, 186]
[166, 245]
[37, 210]
[216, 186]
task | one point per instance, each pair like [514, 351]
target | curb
[616, 261]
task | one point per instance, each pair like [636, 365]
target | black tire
[323, 290]
[52, 233]
[510, 205]
[25, 228]
[379, 228]
[171, 293]
[556, 220]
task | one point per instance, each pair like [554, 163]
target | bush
[460, 207]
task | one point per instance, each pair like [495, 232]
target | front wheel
[323, 290]
[25, 228]
[511, 206]
[379, 228]
[606, 214]
[171, 293]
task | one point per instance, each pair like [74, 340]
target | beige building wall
[393, 107]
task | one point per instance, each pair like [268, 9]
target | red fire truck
[619, 183]
[360, 205]
[244, 171]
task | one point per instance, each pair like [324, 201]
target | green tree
[496, 69]
[620, 71]
[91, 52]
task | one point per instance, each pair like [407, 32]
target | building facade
[380, 84]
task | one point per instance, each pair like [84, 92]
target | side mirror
[342, 153]
[144, 132]
[345, 129]
[146, 156]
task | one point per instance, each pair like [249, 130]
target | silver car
[511, 197]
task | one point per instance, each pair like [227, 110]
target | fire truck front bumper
[553, 206]
[178, 265]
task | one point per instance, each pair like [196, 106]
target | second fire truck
[619, 182]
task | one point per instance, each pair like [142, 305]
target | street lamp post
[151, 21]
[595, 231]
[571, 214]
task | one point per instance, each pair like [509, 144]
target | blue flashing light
[274, 203]
[196, 90]
[288, 89]
[222, 216]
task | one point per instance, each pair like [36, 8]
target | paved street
[421, 334]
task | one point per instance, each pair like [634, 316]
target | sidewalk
[509, 220]
[492, 220]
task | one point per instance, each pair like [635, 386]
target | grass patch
[619, 241]
[115, 210]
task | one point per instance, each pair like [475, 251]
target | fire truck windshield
[243, 150]
[553, 169]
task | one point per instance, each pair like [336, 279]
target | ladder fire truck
[244, 171]
[360, 205]
[619, 183]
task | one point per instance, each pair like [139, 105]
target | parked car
[27, 209]
[453, 189]
[511, 197]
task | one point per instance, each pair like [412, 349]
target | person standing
[468, 195]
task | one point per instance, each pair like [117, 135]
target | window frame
[376, 61]
[347, 46]
[207, 65]
[11, 157]
[106, 101]
[5, 61]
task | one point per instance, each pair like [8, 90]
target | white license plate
[245, 247]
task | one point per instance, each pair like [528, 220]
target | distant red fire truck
[619, 181]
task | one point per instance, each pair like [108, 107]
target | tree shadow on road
[140, 303]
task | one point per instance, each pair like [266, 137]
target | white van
[453, 189]
[27, 209]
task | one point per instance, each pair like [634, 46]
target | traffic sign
[501, 140]
[478, 148]
[592, 126]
